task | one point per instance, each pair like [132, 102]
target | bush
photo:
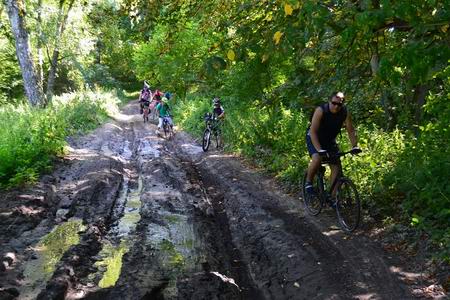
[30, 138]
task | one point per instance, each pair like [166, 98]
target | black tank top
[331, 124]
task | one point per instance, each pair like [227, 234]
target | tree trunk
[420, 93]
[40, 71]
[61, 26]
[33, 87]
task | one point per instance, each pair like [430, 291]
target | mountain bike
[346, 202]
[168, 129]
[212, 128]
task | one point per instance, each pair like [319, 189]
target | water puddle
[110, 264]
[126, 152]
[178, 245]
[48, 253]
[131, 214]
[147, 148]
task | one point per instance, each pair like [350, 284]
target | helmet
[164, 100]
[216, 101]
[146, 85]
[168, 95]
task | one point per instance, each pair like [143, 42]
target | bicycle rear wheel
[206, 139]
[348, 206]
[313, 202]
[166, 131]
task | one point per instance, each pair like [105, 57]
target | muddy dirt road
[129, 215]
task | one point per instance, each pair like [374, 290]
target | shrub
[31, 138]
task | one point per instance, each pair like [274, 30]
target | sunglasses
[337, 103]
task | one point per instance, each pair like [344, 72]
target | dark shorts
[331, 147]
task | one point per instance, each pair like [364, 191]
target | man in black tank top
[326, 124]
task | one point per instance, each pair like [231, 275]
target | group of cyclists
[158, 101]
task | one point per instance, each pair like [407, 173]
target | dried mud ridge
[129, 215]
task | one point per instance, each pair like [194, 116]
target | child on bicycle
[145, 97]
[163, 110]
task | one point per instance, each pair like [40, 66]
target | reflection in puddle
[111, 256]
[126, 153]
[178, 244]
[131, 215]
[112, 260]
[49, 251]
[146, 148]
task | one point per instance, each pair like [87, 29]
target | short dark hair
[335, 94]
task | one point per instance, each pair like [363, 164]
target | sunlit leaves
[231, 55]
[277, 37]
[288, 9]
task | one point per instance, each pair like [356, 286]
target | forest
[66, 64]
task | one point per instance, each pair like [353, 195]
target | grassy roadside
[31, 137]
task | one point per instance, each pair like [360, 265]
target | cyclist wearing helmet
[163, 109]
[145, 96]
[218, 111]
[326, 123]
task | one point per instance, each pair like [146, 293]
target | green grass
[30, 138]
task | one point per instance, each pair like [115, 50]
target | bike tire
[170, 131]
[348, 205]
[313, 204]
[206, 139]
[165, 129]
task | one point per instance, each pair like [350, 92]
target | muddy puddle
[46, 254]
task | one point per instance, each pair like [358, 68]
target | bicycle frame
[321, 172]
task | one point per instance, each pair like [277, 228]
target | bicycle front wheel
[312, 202]
[206, 140]
[348, 206]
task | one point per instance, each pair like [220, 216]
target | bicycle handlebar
[340, 154]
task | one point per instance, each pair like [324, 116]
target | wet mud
[130, 215]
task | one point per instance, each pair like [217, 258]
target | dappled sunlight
[404, 275]
[366, 296]
[81, 153]
[117, 116]
[332, 232]
[191, 149]
[222, 155]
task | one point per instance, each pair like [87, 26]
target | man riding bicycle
[163, 110]
[326, 123]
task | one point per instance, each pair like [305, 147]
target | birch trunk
[32, 85]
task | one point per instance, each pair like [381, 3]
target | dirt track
[129, 215]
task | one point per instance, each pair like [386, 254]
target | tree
[61, 26]
[33, 87]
